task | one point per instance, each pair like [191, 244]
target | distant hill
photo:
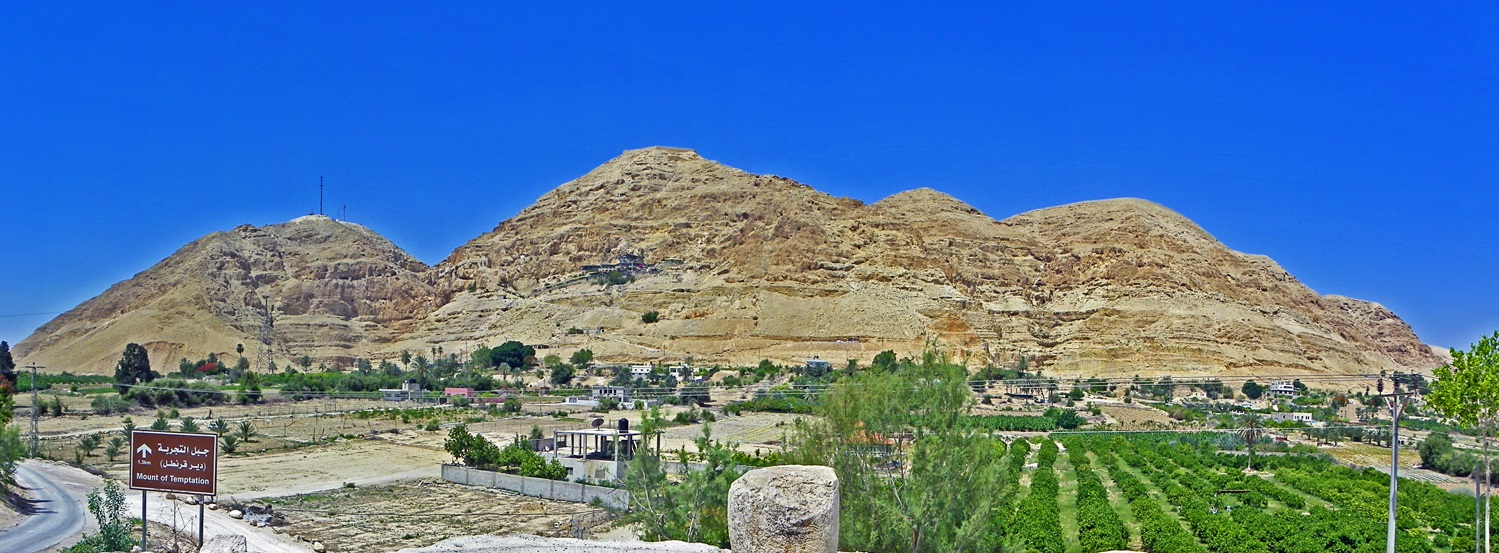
[743, 267]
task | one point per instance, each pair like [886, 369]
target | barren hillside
[743, 267]
[337, 289]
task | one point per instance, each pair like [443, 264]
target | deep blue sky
[1355, 143]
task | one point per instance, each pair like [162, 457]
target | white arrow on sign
[144, 450]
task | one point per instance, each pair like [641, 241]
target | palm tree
[88, 445]
[115, 447]
[1251, 432]
[245, 431]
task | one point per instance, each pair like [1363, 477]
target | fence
[537, 487]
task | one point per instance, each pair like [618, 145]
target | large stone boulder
[225, 544]
[784, 509]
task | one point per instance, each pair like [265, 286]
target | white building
[407, 391]
[1294, 417]
[1283, 389]
[641, 371]
[616, 393]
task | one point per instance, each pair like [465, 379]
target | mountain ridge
[743, 267]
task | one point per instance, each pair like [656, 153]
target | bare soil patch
[421, 513]
[1131, 416]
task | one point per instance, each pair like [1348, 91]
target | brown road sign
[174, 462]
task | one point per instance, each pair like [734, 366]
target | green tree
[11, 451]
[1467, 391]
[7, 363]
[696, 509]
[1433, 448]
[89, 444]
[1252, 390]
[114, 448]
[884, 361]
[161, 424]
[935, 496]
[134, 367]
[551, 362]
[219, 426]
[512, 353]
[650, 317]
[7, 383]
[108, 506]
[1252, 431]
[562, 375]
[245, 430]
[581, 358]
[188, 424]
[230, 442]
[249, 389]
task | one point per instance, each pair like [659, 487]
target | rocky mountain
[338, 290]
[742, 267]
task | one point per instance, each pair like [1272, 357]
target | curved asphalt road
[58, 516]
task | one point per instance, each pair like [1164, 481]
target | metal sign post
[174, 462]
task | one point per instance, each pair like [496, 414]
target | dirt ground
[306, 454]
[420, 513]
[1131, 417]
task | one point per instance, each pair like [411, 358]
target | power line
[8, 315]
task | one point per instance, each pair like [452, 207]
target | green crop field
[1175, 493]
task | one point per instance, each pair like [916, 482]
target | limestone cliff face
[743, 267]
[337, 290]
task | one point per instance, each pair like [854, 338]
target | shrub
[109, 404]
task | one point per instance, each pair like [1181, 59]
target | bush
[171, 392]
[108, 506]
[516, 458]
[109, 404]
[776, 403]
[650, 317]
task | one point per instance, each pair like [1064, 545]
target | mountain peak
[925, 199]
[742, 267]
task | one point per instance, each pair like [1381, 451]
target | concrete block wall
[537, 487]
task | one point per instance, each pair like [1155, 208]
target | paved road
[57, 514]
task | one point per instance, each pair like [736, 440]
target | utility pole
[1416, 385]
[1397, 405]
[33, 447]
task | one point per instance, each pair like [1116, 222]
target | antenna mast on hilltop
[267, 326]
[320, 195]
